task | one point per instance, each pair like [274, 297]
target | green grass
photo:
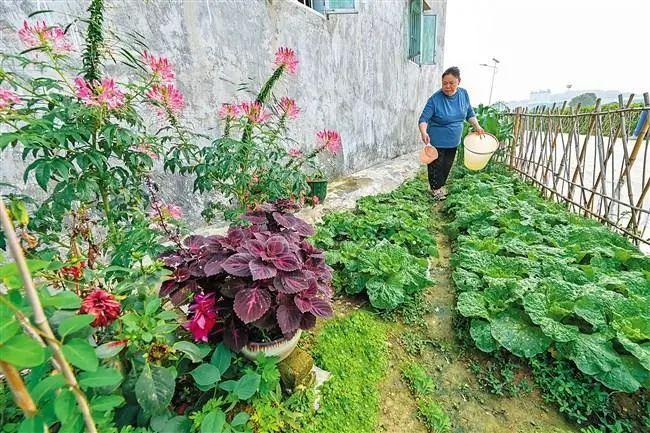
[354, 350]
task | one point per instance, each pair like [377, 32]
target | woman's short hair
[452, 71]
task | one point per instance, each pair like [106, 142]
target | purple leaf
[256, 248]
[235, 337]
[214, 264]
[230, 287]
[289, 317]
[194, 242]
[261, 270]
[181, 274]
[308, 321]
[320, 307]
[293, 238]
[255, 217]
[168, 287]
[267, 321]
[291, 222]
[196, 270]
[251, 304]
[287, 263]
[182, 295]
[261, 236]
[172, 259]
[276, 246]
[290, 282]
[214, 243]
[237, 265]
[303, 304]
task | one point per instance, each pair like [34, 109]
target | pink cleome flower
[330, 140]
[168, 96]
[40, 35]
[160, 66]
[103, 306]
[98, 94]
[204, 316]
[286, 58]
[229, 111]
[295, 153]
[8, 98]
[254, 111]
[289, 107]
[315, 200]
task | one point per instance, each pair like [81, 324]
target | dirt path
[433, 345]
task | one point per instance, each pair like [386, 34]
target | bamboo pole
[18, 389]
[41, 320]
[610, 152]
[583, 152]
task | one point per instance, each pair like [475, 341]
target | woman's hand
[479, 130]
[425, 138]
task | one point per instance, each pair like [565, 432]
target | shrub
[261, 280]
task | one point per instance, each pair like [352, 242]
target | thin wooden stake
[41, 320]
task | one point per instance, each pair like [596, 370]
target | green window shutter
[341, 4]
[324, 6]
[415, 24]
[429, 22]
[318, 5]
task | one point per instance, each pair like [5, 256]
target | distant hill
[545, 97]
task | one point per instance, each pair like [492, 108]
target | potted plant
[256, 287]
[327, 140]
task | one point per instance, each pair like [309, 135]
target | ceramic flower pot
[318, 188]
[280, 348]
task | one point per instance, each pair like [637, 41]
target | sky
[547, 44]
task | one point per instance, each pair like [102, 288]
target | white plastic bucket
[478, 149]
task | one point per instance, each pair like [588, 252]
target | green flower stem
[141, 90]
[261, 98]
[41, 320]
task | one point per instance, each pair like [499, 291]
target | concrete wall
[354, 75]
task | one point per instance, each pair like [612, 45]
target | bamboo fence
[589, 161]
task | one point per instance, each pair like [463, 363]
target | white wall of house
[354, 75]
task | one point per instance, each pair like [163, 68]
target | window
[331, 6]
[422, 32]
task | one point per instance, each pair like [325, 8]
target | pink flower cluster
[98, 94]
[160, 67]
[8, 98]
[229, 111]
[204, 316]
[330, 140]
[168, 97]
[40, 35]
[289, 107]
[286, 58]
[255, 111]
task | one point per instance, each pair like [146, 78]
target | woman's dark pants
[439, 169]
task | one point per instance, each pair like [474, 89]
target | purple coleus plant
[262, 279]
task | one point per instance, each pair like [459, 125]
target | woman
[441, 125]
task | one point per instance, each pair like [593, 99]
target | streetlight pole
[494, 71]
